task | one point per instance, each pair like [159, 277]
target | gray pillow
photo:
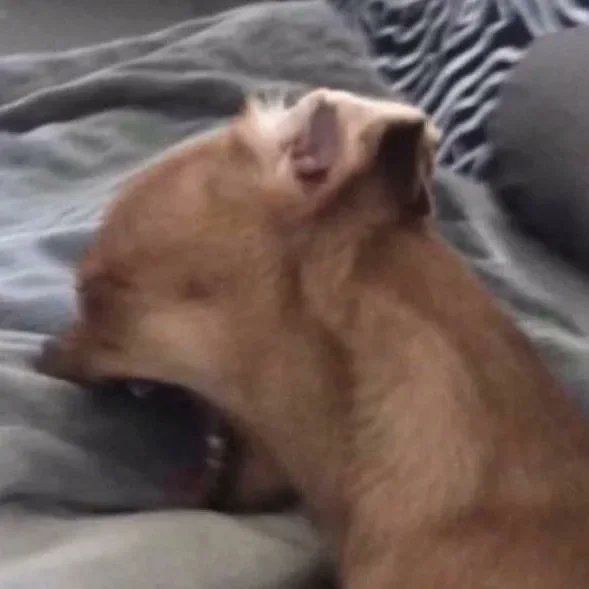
[540, 135]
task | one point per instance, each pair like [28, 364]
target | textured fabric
[82, 504]
[452, 56]
[540, 134]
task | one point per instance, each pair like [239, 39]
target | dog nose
[48, 359]
[59, 359]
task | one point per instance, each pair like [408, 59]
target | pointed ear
[405, 158]
[317, 143]
[336, 137]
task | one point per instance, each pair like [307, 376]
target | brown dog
[286, 268]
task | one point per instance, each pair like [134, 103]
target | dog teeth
[214, 463]
[140, 389]
[215, 442]
[216, 447]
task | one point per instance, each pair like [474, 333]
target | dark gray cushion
[540, 134]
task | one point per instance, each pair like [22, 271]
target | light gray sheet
[81, 475]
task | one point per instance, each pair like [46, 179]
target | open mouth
[207, 478]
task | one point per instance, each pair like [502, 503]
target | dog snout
[57, 361]
[47, 359]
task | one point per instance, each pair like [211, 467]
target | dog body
[286, 268]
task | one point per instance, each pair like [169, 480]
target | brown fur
[299, 285]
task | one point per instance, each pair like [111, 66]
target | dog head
[226, 267]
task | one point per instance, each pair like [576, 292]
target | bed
[84, 494]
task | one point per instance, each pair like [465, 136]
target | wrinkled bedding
[84, 500]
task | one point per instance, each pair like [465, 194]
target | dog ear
[317, 144]
[339, 136]
[405, 158]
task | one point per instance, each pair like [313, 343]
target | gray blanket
[83, 495]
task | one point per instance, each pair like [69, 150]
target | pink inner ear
[316, 147]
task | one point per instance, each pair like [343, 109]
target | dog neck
[446, 409]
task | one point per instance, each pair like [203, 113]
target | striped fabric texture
[451, 57]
